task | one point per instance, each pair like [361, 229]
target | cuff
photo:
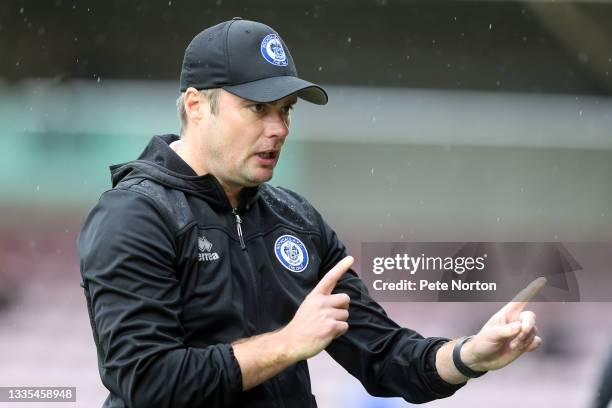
[233, 374]
[436, 383]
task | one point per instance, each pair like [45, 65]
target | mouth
[268, 155]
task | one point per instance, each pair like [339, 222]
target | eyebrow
[292, 101]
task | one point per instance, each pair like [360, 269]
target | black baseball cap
[248, 59]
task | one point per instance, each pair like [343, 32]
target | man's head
[237, 140]
[238, 84]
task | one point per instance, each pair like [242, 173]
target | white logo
[291, 252]
[205, 246]
[272, 50]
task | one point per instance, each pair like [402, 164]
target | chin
[261, 178]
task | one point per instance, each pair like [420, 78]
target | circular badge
[291, 252]
[272, 50]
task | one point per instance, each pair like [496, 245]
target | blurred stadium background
[448, 121]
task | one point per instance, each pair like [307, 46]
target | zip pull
[239, 228]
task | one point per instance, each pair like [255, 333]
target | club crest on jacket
[291, 253]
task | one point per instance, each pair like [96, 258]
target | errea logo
[205, 247]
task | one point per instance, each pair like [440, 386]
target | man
[208, 287]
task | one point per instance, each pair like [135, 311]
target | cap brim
[275, 88]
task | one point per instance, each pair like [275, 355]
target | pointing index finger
[329, 280]
[518, 303]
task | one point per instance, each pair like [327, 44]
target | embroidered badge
[273, 51]
[291, 252]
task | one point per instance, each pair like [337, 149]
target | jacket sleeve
[127, 258]
[389, 360]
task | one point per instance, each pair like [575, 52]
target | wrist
[287, 346]
[467, 356]
[465, 359]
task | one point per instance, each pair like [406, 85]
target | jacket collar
[160, 163]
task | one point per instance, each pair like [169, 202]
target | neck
[232, 193]
[199, 167]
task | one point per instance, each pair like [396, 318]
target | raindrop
[38, 188]
[490, 26]
[372, 171]
[21, 10]
[580, 112]
[349, 40]
[320, 68]
[373, 119]
[98, 80]
[170, 3]
[498, 219]
[17, 63]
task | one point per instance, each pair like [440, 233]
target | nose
[277, 124]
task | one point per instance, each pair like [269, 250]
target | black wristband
[461, 367]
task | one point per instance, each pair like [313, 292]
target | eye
[287, 109]
[258, 107]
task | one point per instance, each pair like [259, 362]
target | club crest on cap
[291, 253]
[272, 50]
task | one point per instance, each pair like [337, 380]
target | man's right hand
[320, 318]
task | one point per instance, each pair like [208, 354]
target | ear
[194, 105]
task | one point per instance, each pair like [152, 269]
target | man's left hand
[509, 333]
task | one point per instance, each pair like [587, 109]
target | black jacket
[170, 283]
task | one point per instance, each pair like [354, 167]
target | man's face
[242, 142]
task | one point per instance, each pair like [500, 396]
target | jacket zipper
[239, 228]
[250, 269]
[257, 304]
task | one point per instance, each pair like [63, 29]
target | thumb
[329, 280]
